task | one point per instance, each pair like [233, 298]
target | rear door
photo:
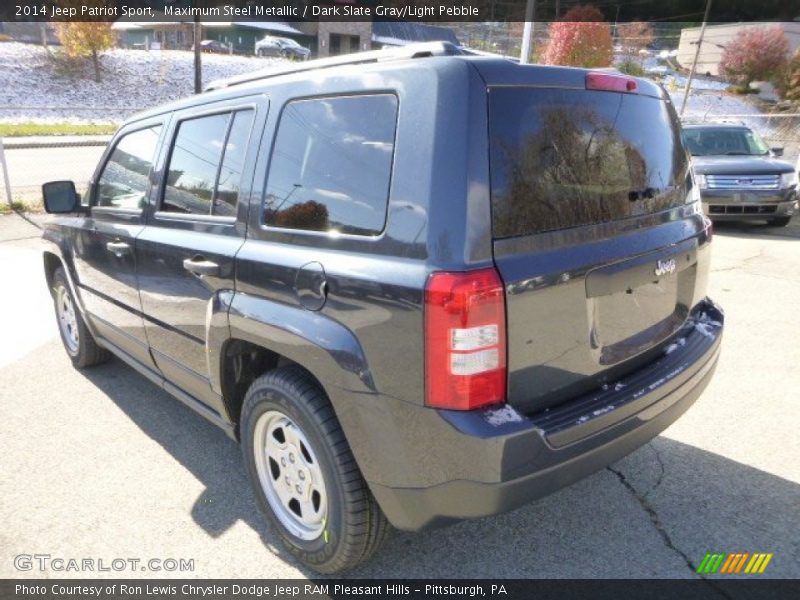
[596, 235]
[186, 253]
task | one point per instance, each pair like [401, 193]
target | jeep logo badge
[665, 267]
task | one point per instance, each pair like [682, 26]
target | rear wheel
[779, 222]
[81, 347]
[305, 477]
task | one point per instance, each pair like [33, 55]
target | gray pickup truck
[416, 286]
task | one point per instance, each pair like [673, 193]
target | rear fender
[326, 348]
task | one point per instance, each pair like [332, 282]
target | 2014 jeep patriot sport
[418, 287]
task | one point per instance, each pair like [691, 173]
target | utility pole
[688, 87]
[527, 32]
[198, 65]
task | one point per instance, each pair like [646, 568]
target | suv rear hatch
[597, 233]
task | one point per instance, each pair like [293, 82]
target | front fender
[53, 243]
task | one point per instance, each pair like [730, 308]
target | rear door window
[567, 158]
[331, 165]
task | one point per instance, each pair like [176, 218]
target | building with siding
[323, 38]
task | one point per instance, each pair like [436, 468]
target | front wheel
[305, 477]
[779, 222]
[81, 347]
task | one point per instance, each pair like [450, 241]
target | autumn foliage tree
[788, 81]
[755, 54]
[84, 39]
[634, 37]
[580, 39]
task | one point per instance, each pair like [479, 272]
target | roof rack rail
[421, 50]
[694, 120]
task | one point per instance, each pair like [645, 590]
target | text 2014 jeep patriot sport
[418, 287]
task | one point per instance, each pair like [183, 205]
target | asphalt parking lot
[102, 464]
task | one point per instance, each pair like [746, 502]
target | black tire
[83, 352]
[779, 222]
[355, 526]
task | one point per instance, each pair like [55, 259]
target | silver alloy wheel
[67, 319]
[290, 475]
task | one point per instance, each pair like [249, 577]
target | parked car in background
[214, 47]
[739, 175]
[272, 45]
[417, 286]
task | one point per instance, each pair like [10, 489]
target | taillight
[610, 83]
[465, 340]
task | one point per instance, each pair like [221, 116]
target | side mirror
[60, 197]
[777, 151]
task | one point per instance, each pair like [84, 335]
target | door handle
[118, 247]
[200, 266]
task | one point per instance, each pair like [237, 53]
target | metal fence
[27, 163]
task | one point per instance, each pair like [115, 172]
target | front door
[105, 257]
[186, 253]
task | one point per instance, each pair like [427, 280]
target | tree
[755, 54]
[83, 39]
[634, 37]
[580, 39]
[788, 80]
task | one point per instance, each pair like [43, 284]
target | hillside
[132, 80]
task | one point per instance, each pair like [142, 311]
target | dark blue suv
[417, 286]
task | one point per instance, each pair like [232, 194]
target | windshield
[724, 141]
[288, 42]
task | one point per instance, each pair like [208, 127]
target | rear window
[567, 158]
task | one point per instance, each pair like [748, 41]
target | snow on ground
[132, 80]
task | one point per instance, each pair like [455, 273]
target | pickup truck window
[331, 165]
[205, 165]
[126, 177]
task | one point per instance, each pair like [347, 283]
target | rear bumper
[538, 454]
[734, 205]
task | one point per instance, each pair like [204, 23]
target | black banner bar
[417, 589]
[667, 11]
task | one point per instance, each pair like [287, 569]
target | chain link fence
[26, 164]
[30, 162]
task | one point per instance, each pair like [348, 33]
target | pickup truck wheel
[305, 477]
[81, 347]
[779, 222]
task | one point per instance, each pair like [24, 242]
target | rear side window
[331, 165]
[205, 165]
[125, 179]
[567, 158]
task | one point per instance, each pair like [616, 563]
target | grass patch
[20, 206]
[28, 128]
